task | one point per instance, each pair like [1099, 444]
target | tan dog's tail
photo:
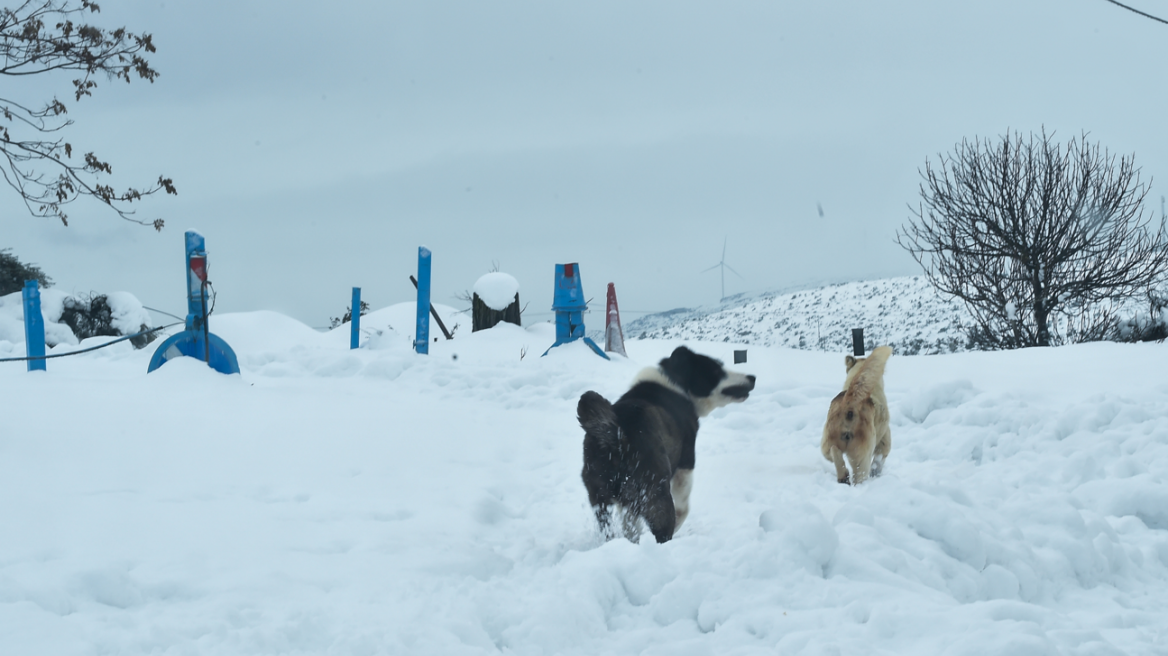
[871, 371]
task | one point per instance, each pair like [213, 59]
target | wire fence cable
[1133, 9]
[92, 348]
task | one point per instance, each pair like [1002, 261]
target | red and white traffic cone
[614, 337]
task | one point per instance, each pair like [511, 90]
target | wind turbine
[722, 263]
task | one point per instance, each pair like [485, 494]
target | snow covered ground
[329, 501]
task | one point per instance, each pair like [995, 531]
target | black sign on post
[857, 342]
[739, 357]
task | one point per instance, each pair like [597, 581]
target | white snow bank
[497, 290]
[127, 313]
[12, 321]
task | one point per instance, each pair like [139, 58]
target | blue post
[355, 319]
[422, 341]
[569, 305]
[196, 274]
[34, 325]
[196, 341]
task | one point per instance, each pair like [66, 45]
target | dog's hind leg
[631, 524]
[660, 514]
[841, 470]
[861, 467]
[654, 503]
[882, 449]
[604, 520]
[679, 488]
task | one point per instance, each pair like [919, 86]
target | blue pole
[569, 305]
[355, 319]
[197, 340]
[196, 250]
[34, 325]
[422, 341]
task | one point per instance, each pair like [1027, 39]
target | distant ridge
[906, 313]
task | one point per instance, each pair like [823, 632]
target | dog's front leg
[680, 487]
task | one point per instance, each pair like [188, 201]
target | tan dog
[857, 422]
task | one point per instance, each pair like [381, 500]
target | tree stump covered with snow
[496, 298]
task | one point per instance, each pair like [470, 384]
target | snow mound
[497, 290]
[12, 321]
[128, 314]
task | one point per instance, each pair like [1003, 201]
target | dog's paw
[845, 480]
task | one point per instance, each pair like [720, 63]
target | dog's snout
[751, 379]
[846, 436]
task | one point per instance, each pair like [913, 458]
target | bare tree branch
[40, 37]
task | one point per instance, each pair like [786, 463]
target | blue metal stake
[569, 305]
[196, 252]
[196, 341]
[34, 325]
[355, 319]
[422, 341]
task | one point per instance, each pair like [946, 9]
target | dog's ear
[849, 362]
[677, 364]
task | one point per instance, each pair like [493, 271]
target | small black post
[740, 356]
[857, 342]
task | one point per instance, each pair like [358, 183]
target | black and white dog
[639, 452]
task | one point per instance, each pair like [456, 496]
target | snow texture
[375, 501]
[497, 290]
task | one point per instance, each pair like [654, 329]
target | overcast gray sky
[317, 146]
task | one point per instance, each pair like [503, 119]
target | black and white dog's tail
[598, 420]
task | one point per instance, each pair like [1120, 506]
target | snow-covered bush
[110, 315]
[12, 319]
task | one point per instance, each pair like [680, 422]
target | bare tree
[1039, 240]
[42, 37]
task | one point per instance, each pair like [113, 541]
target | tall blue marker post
[569, 305]
[422, 341]
[34, 325]
[355, 319]
[196, 341]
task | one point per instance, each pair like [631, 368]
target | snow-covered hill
[374, 501]
[906, 313]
